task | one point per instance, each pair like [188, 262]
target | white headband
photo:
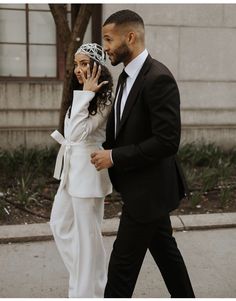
[94, 51]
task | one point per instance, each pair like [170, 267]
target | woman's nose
[77, 71]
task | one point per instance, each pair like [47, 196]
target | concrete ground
[35, 270]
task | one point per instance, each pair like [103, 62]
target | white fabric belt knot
[63, 153]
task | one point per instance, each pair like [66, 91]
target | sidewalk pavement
[35, 269]
[42, 232]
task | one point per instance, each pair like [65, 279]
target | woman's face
[81, 61]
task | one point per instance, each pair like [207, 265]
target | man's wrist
[111, 157]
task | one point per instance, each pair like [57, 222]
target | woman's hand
[91, 82]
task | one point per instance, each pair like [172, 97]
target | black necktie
[121, 84]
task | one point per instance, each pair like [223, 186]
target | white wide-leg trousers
[76, 227]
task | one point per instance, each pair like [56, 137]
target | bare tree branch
[78, 31]
[82, 21]
[71, 40]
[60, 18]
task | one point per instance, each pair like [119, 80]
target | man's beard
[121, 54]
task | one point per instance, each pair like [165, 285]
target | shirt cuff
[111, 157]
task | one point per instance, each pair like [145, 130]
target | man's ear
[131, 37]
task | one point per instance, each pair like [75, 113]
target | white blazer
[84, 134]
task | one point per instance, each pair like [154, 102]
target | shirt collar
[135, 65]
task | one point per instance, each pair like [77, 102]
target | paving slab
[24, 233]
[177, 223]
[35, 269]
[42, 231]
[209, 221]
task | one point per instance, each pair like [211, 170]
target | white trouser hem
[76, 227]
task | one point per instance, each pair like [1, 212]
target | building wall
[196, 41]
[29, 112]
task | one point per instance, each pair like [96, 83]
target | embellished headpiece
[94, 51]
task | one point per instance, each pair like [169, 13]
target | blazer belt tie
[64, 152]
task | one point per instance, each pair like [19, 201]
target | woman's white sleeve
[81, 123]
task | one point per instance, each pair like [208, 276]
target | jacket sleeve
[162, 99]
[81, 122]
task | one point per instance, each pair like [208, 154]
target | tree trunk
[59, 14]
[71, 40]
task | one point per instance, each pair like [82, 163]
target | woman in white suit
[78, 206]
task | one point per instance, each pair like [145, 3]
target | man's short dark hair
[124, 17]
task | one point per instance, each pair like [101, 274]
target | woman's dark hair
[103, 97]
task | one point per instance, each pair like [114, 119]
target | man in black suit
[142, 138]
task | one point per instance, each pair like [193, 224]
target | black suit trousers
[129, 249]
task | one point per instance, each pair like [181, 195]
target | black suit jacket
[145, 170]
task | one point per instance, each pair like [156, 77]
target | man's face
[115, 44]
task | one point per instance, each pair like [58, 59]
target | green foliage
[195, 198]
[25, 172]
[205, 155]
[2, 209]
[207, 165]
[23, 160]
[207, 168]
[226, 194]
[209, 179]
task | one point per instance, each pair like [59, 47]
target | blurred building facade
[196, 41]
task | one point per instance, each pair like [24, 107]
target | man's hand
[101, 159]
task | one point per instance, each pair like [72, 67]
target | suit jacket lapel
[110, 128]
[136, 88]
